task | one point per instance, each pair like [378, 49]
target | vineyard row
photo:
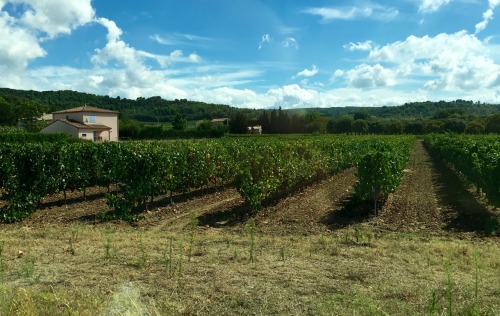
[259, 168]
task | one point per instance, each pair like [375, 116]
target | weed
[250, 226]
[28, 267]
[2, 264]
[167, 257]
[193, 225]
[282, 254]
[143, 254]
[73, 238]
[180, 260]
[107, 245]
[449, 286]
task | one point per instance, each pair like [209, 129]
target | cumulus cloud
[366, 76]
[55, 17]
[363, 46]
[134, 75]
[18, 46]
[370, 10]
[458, 61]
[292, 96]
[429, 6]
[266, 39]
[308, 73]
[20, 35]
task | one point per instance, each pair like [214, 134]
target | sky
[256, 53]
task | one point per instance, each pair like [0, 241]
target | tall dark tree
[264, 120]
[179, 123]
[238, 123]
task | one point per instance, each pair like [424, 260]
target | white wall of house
[108, 119]
[60, 127]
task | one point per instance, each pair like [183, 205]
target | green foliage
[380, 170]
[15, 135]
[179, 122]
[476, 157]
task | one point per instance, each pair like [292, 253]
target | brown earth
[431, 198]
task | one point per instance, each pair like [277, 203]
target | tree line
[137, 117]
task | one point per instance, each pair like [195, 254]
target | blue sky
[256, 53]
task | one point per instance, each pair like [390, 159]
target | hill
[157, 109]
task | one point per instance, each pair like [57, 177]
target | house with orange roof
[85, 122]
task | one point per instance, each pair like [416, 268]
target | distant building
[254, 129]
[219, 122]
[85, 122]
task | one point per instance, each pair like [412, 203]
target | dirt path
[432, 198]
[310, 209]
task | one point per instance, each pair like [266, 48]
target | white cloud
[487, 16]
[18, 46]
[373, 11]
[290, 42]
[363, 46]
[458, 62]
[307, 72]
[174, 39]
[366, 76]
[292, 96]
[55, 17]
[161, 40]
[266, 39]
[429, 6]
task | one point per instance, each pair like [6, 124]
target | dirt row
[431, 198]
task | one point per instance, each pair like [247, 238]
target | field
[432, 250]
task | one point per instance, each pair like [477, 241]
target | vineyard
[301, 225]
[260, 169]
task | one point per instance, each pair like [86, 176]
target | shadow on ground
[352, 211]
[229, 217]
[462, 211]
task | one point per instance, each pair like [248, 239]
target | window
[92, 119]
[84, 135]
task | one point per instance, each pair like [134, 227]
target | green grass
[366, 273]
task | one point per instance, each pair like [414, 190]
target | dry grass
[112, 269]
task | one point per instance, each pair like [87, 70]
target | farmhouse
[254, 129]
[86, 122]
[220, 122]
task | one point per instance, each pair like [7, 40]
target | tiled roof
[84, 126]
[219, 120]
[85, 108]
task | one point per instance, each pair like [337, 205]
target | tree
[205, 125]
[434, 126]
[493, 124]
[343, 124]
[179, 123]
[14, 109]
[394, 127]
[416, 128]
[361, 115]
[359, 126]
[238, 123]
[316, 123]
[474, 127]
[454, 125]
